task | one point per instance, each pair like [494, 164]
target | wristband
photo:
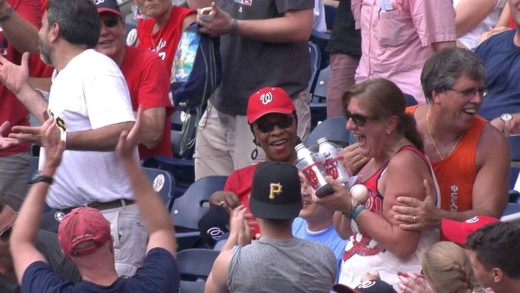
[234, 25]
[63, 136]
[358, 210]
[7, 14]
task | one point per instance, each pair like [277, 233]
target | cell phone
[206, 13]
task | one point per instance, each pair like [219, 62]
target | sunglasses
[6, 233]
[468, 93]
[268, 126]
[358, 119]
[110, 21]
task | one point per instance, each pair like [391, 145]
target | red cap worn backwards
[80, 225]
[458, 232]
[268, 100]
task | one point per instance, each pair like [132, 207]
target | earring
[254, 153]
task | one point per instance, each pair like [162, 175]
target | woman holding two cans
[375, 111]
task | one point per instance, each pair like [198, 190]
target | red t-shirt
[11, 109]
[149, 84]
[163, 42]
[240, 182]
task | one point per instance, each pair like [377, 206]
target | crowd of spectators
[436, 173]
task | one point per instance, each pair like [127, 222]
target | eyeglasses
[358, 119]
[268, 126]
[110, 21]
[6, 233]
[468, 93]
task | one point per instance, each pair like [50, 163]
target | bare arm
[20, 33]
[151, 207]
[441, 45]
[153, 127]
[294, 26]
[403, 167]
[195, 4]
[503, 21]
[28, 222]
[217, 279]
[99, 139]
[469, 13]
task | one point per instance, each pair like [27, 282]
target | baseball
[359, 192]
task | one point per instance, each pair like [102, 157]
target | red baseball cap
[268, 100]
[458, 232]
[80, 225]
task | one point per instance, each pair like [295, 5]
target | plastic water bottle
[311, 165]
[333, 161]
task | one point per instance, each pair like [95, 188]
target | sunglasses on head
[268, 126]
[6, 233]
[358, 119]
[110, 21]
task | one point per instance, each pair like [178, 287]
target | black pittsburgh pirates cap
[275, 193]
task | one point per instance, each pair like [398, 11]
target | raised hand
[129, 140]
[15, 77]
[54, 147]
[6, 142]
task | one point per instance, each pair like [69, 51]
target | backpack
[196, 70]
[196, 73]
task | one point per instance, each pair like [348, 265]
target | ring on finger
[221, 203]
[414, 219]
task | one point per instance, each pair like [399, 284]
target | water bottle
[311, 165]
[333, 161]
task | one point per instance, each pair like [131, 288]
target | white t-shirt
[470, 39]
[318, 20]
[89, 93]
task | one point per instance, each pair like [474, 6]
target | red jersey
[163, 42]
[240, 182]
[148, 83]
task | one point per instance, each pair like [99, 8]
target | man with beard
[90, 102]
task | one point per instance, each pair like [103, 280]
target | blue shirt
[502, 61]
[327, 237]
[159, 273]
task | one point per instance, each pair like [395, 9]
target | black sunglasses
[6, 233]
[268, 126]
[358, 119]
[110, 21]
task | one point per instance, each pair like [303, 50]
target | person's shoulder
[492, 139]
[246, 171]
[407, 156]
[143, 56]
[493, 41]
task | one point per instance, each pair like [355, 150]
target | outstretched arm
[16, 79]
[293, 26]
[151, 207]
[28, 222]
[6, 142]
[20, 32]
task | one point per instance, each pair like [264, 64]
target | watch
[39, 177]
[506, 117]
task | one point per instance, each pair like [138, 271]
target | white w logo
[266, 98]
[98, 1]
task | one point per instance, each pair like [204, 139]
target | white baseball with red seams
[359, 193]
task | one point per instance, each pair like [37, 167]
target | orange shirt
[456, 173]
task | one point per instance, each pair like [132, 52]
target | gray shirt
[270, 265]
[249, 64]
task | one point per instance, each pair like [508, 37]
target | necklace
[433, 141]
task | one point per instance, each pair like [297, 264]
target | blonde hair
[447, 269]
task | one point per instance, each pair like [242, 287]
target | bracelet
[234, 25]
[7, 14]
[63, 136]
[358, 210]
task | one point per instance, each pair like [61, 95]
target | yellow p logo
[274, 190]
